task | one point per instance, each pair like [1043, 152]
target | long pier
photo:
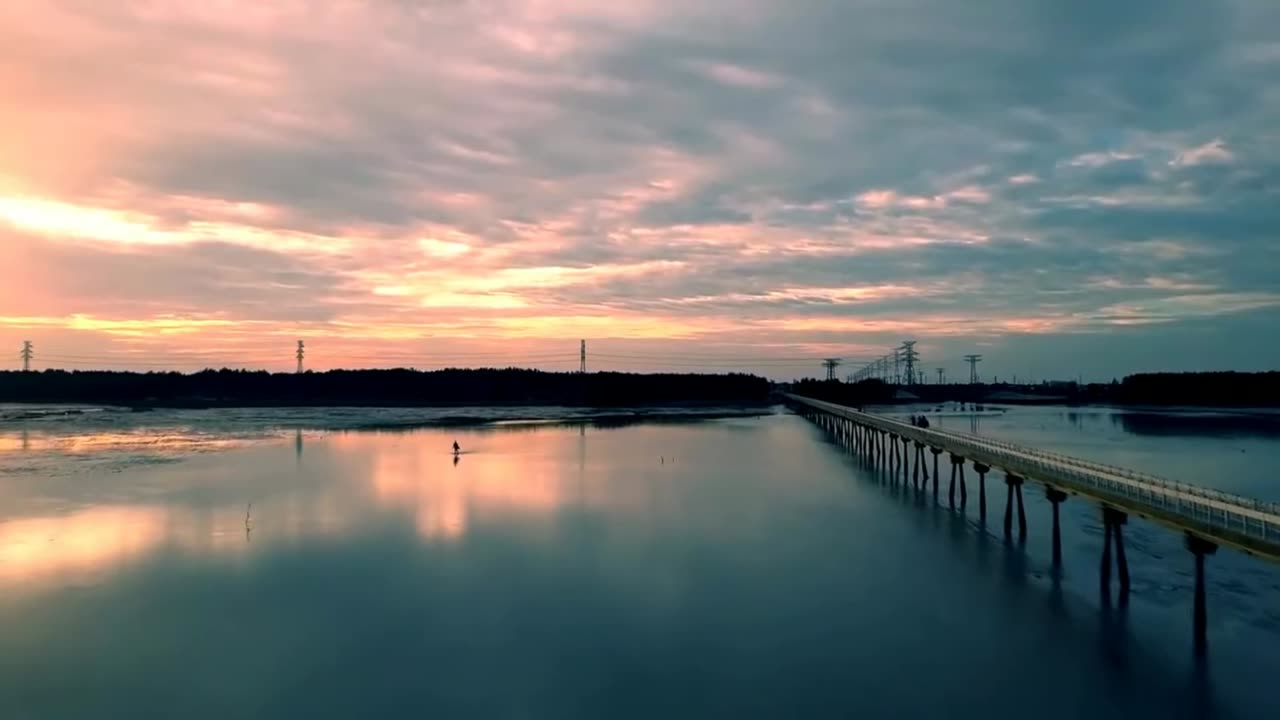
[1208, 518]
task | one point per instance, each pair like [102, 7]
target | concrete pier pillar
[915, 471]
[1104, 573]
[951, 490]
[1014, 485]
[1115, 520]
[957, 469]
[1055, 498]
[893, 458]
[1200, 619]
[1022, 513]
[982, 471]
[936, 475]
[924, 469]
[1008, 511]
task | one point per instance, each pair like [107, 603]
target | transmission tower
[27, 353]
[973, 361]
[909, 358]
[942, 373]
[831, 364]
[301, 353]
[582, 357]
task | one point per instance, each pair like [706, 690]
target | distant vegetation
[1217, 388]
[239, 388]
[1211, 389]
[866, 392]
[232, 388]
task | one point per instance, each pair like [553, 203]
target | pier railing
[1250, 523]
[1207, 493]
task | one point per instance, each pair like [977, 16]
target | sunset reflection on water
[275, 492]
[416, 473]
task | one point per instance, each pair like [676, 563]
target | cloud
[1214, 152]
[1098, 159]
[452, 175]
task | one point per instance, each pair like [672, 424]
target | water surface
[744, 567]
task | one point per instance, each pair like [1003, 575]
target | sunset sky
[1069, 188]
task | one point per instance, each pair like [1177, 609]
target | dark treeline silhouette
[240, 388]
[1209, 389]
[866, 392]
[1227, 389]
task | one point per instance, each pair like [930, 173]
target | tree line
[1204, 388]
[404, 387]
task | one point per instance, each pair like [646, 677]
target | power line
[405, 359]
[81, 359]
[192, 358]
[711, 358]
[132, 361]
[890, 367]
[706, 364]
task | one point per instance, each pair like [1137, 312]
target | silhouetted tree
[866, 392]
[230, 388]
[1210, 388]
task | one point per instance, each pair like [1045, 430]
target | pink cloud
[1214, 152]
[497, 176]
[738, 76]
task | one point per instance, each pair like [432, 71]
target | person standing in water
[456, 447]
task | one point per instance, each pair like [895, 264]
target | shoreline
[380, 418]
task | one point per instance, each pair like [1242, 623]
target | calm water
[744, 567]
